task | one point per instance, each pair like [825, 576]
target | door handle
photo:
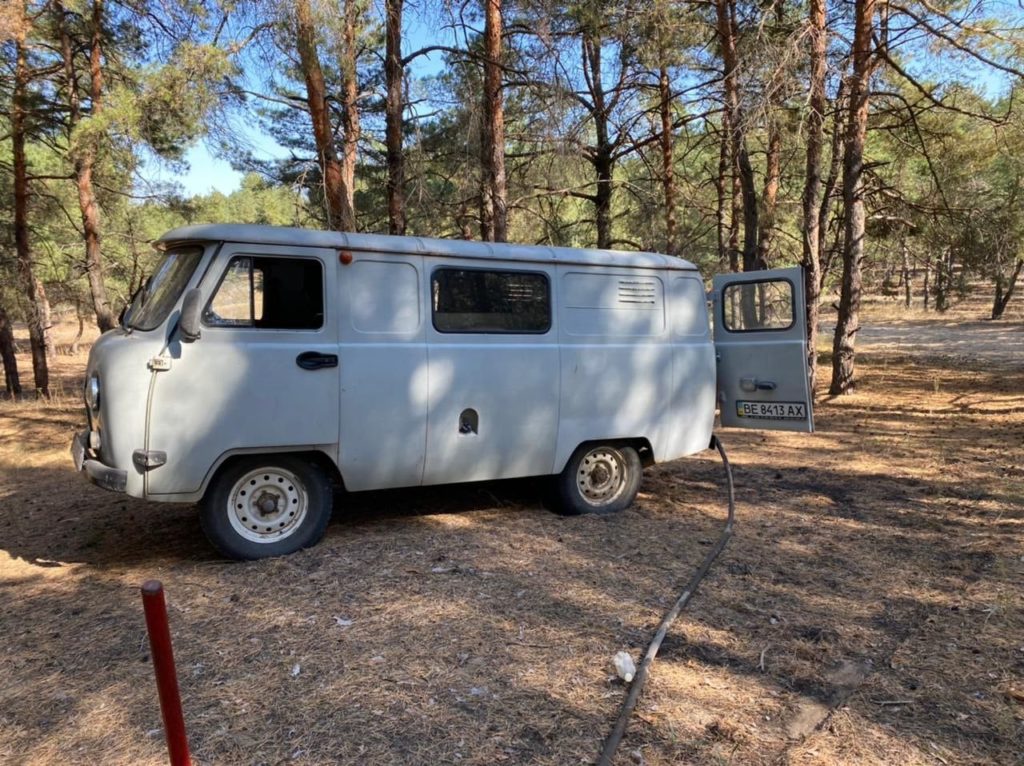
[314, 360]
[753, 384]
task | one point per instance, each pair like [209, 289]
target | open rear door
[761, 346]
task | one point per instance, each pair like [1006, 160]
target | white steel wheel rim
[601, 476]
[267, 505]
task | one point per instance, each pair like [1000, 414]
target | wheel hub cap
[267, 505]
[602, 476]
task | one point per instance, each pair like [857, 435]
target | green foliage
[944, 151]
[172, 103]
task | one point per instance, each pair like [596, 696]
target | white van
[262, 366]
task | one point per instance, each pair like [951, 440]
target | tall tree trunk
[84, 156]
[339, 207]
[601, 156]
[12, 381]
[907, 287]
[85, 164]
[603, 198]
[484, 203]
[926, 288]
[463, 220]
[848, 321]
[725, 252]
[493, 146]
[750, 226]
[1004, 290]
[828, 192]
[942, 279]
[772, 174]
[668, 180]
[38, 308]
[394, 75]
[812, 201]
[350, 127]
[725, 12]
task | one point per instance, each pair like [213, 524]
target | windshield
[162, 290]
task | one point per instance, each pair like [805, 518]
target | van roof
[453, 248]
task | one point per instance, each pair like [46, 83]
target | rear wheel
[266, 506]
[601, 479]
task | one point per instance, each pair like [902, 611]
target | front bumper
[99, 474]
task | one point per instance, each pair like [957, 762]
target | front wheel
[266, 506]
[599, 479]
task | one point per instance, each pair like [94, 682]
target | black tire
[267, 505]
[599, 479]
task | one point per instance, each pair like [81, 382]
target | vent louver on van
[638, 292]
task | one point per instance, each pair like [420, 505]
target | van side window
[755, 306]
[271, 293]
[478, 300]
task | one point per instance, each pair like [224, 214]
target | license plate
[78, 451]
[772, 410]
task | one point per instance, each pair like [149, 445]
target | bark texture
[668, 180]
[84, 170]
[732, 123]
[750, 212]
[338, 195]
[812, 196]
[394, 75]
[769, 197]
[826, 254]
[908, 291]
[848, 319]
[495, 219]
[37, 306]
[350, 126]
[1004, 290]
[601, 157]
[726, 252]
[12, 381]
[84, 155]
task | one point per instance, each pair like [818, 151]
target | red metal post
[163, 666]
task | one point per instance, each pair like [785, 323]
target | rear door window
[757, 306]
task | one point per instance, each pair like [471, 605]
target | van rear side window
[483, 301]
[270, 293]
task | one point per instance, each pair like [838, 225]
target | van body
[261, 365]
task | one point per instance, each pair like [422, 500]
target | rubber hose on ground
[612, 743]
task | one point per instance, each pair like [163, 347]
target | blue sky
[423, 27]
[208, 173]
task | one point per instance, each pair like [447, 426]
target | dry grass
[869, 609]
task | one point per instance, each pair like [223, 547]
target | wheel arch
[640, 443]
[316, 455]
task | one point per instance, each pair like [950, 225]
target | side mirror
[191, 308]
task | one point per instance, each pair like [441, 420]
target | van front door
[761, 347]
[263, 376]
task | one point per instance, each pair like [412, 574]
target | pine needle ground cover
[868, 610]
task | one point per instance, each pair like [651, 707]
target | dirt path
[977, 344]
[868, 610]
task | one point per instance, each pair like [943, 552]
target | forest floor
[868, 610]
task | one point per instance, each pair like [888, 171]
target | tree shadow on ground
[466, 620]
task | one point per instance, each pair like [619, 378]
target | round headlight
[92, 393]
